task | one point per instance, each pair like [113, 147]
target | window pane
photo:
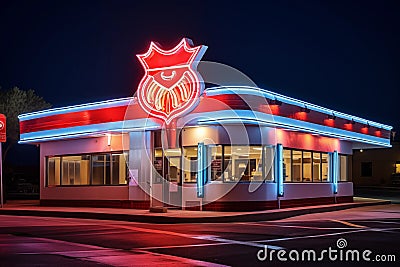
[343, 168]
[101, 169]
[397, 167]
[307, 166]
[245, 163]
[255, 169]
[216, 163]
[53, 171]
[228, 175]
[119, 169]
[287, 165]
[297, 166]
[316, 167]
[324, 166]
[269, 155]
[238, 166]
[189, 164]
[75, 170]
[174, 169]
[158, 165]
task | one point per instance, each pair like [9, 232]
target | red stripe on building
[207, 104]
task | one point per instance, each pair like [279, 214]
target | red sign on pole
[3, 135]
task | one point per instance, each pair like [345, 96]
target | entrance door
[172, 186]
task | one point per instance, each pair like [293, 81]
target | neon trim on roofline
[82, 107]
[220, 117]
[210, 92]
[89, 130]
[254, 117]
[289, 100]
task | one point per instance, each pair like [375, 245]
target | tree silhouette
[14, 102]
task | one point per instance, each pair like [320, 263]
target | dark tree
[14, 102]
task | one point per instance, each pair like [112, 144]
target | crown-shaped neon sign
[171, 85]
[182, 54]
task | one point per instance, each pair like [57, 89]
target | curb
[267, 216]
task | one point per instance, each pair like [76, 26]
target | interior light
[109, 139]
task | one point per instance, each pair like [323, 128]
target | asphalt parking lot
[27, 241]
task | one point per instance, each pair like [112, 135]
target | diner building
[234, 148]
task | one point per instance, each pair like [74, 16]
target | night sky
[337, 54]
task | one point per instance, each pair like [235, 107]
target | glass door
[172, 189]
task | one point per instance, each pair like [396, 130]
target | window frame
[225, 165]
[347, 169]
[302, 166]
[111, 153]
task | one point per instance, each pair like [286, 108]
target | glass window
[297, 166]
[174, 170]
[397, 167]
[307, 171]
[287, 165]
[316, 171]
[366, 169]
[243, 163]
[343, 168]
[158, 165]
[324, 167]
[95, 169]
[75, 170]
[119, 169]
[101, 173]
[305, 166]
[269, 158]
[53, 171]
[227, 174]
[190, 164]
[216, 162]
[255, 167]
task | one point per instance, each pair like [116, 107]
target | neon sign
[171, 85]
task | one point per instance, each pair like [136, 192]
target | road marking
[182, 246]
[349, 224]
[298, 226]
[152, 231]
[201, 237]
[385, 230]
[235, 242]
[312, 236]
[113, 257]
[387, 222]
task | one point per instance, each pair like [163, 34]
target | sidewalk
[32, 208]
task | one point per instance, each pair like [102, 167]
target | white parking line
[386, 222]
[200, 237]
[182, 246]
[312, 236]
[298, 226]
[235, 242]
